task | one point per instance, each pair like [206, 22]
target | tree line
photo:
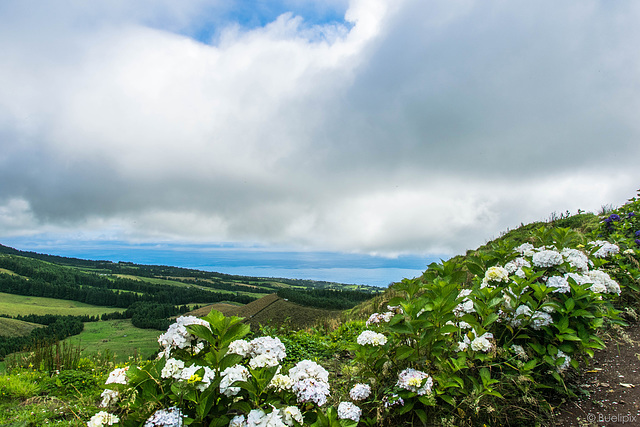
[61, 328]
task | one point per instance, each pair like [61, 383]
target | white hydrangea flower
[311, 390]
[482, 343]
[559, 283]
[231, 375]
[349, 411]
[395, 308]
[172, 368]
[376, 318]
[371, 338]
[258, 418]
[109, 397]
[580, 279]
[263, 361]
[464, 325]
[526, 249]
[629, 252]
[496, 274]
[416, 381]
[240, 347]
[516, 264]
[540, 319]
[308, 369]
[466, 305]
[281, 382]
[602, 282]
[546, 258]
[523, 312]
[464, 344]
[310, 382]
[291, 414]
[269, 346]
[576, 258]
[198, 347]
[103, 418]
[118, 376]
[605, 249]
[238, 421]
[177, 336]
[360, 391]
[171, 417]
[189, 374]
[565, 364]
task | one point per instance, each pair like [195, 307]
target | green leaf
[404, 352]
[475, 268]
[448, 399]
[490, 319]
[569, 304]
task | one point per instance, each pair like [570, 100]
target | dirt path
[611, 386]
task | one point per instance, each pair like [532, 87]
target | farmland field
[117, 336]
[14, 305]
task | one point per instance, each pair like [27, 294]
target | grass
[16, 328]
[119, 337]
[14, 305]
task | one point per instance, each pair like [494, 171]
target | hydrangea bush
[208, 375]
[511, 320]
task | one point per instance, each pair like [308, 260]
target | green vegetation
[13, 327]
[117, 337]
[14, 305]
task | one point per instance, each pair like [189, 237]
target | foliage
[200, 377]
[62, 327]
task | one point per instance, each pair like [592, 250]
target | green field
[119, 337]
[14, 305]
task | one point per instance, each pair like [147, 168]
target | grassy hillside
[13, 327]
[14, 305]
[274, 311]
[118, 337]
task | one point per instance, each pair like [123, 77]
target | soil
[610, 386]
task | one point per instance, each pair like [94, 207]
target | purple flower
[638, 242]
[614, 217]
[630, 214]
[638, 233]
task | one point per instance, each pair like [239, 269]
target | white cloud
[411, 126]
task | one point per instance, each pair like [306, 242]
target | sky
[376, 134]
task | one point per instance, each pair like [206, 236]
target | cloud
[406, 127]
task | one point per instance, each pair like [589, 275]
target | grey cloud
[428, 129]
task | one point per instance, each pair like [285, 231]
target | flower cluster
[371, 338]
[360, 391]
[605, 249]
[349, 411]
[177, 336]
[171, 417]
[276, 418]
[103, 418]
[310, 382]
[118, 376]
[230, 376]
[376, 318]
[415, 381]
[466, 305]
